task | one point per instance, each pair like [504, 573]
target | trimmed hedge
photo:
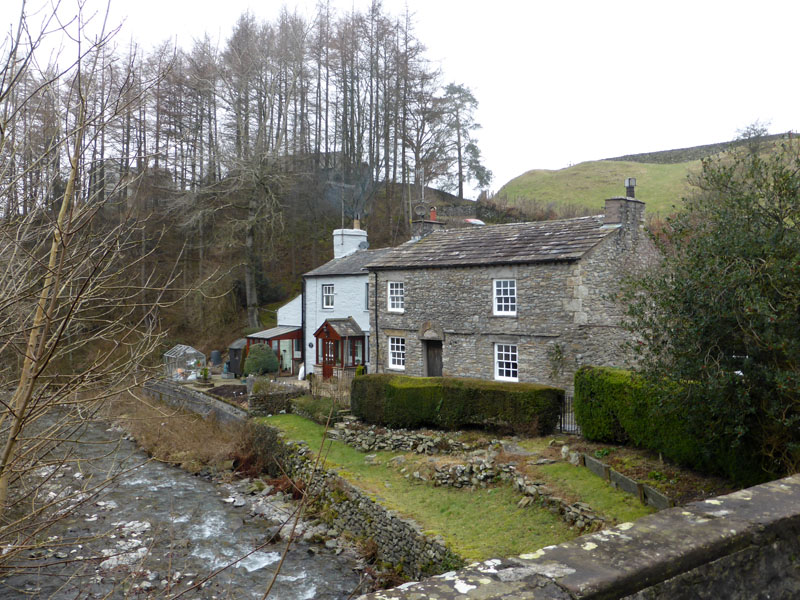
[615, 406]
[453, 403]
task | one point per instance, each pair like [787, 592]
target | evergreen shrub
[261, 360]
[454, 403]
[615, 406]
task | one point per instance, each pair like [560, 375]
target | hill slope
[588, 184]
[662, 179]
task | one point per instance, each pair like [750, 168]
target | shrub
[261, 451]
[453, 403]
[261, 360]
[317, 408]
[616, 406]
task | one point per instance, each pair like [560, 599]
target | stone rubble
[479, 470]
[369, 438]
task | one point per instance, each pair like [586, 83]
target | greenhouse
[183, 363]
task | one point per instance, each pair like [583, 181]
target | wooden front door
[328, 358]
[433, 358]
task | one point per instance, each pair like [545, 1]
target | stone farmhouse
[527, 302]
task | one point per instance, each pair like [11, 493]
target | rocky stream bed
[156, 531]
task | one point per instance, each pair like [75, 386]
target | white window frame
[397, 353]
[504, 302]
[326, 295]
[395, 296]
[366, 296]
[506, 362]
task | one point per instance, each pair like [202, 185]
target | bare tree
[77, 321]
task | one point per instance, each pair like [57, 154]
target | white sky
[560, 82]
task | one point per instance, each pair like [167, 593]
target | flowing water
[157, 531]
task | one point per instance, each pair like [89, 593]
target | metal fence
[567, 423]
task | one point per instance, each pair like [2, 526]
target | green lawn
[464, 519]
[594, 491]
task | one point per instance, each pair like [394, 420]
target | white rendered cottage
[337, 291]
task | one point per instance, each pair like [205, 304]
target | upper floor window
[396, 296]
[366, 296]
[327, 295]
[397, 353]
[505, 297]
[506, 362]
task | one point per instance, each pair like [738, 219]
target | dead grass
[180, 437]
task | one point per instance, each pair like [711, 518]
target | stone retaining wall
[739, 546]
[272, 402]
[400, 542]
[183, 397]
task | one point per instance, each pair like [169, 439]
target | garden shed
[237, 352]
[183, 362]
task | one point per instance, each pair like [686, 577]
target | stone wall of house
[567, 315]
[740, 546]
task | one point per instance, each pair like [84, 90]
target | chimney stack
[433, 213]
[630, 187]
[356, 222]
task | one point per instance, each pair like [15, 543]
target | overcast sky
[560, 82]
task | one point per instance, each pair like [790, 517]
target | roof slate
[346, 327]
[512, 243]
[352, 264]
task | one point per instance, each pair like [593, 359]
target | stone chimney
[347, 241]
[625, 210]
[422, 227]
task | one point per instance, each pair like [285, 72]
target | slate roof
[513, 243]
[352, 264]
[346, 327]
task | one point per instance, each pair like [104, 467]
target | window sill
[505, 315]
[396, 368]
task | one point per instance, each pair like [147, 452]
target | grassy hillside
[588, 184]
[662, 179]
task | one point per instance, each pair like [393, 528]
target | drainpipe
[303, 326]
[377, 331]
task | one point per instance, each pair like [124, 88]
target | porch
[340, 350]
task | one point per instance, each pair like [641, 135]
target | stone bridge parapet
[739, 546]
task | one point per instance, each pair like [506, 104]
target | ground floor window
[397, 353]
[506, 362]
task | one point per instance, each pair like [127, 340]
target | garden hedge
[615, 406]
[455, 403]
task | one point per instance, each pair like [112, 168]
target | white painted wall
[348, 301]
[291, 313]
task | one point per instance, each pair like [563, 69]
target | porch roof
[342, 327]
[275, 332]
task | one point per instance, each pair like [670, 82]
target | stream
[158, 531]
